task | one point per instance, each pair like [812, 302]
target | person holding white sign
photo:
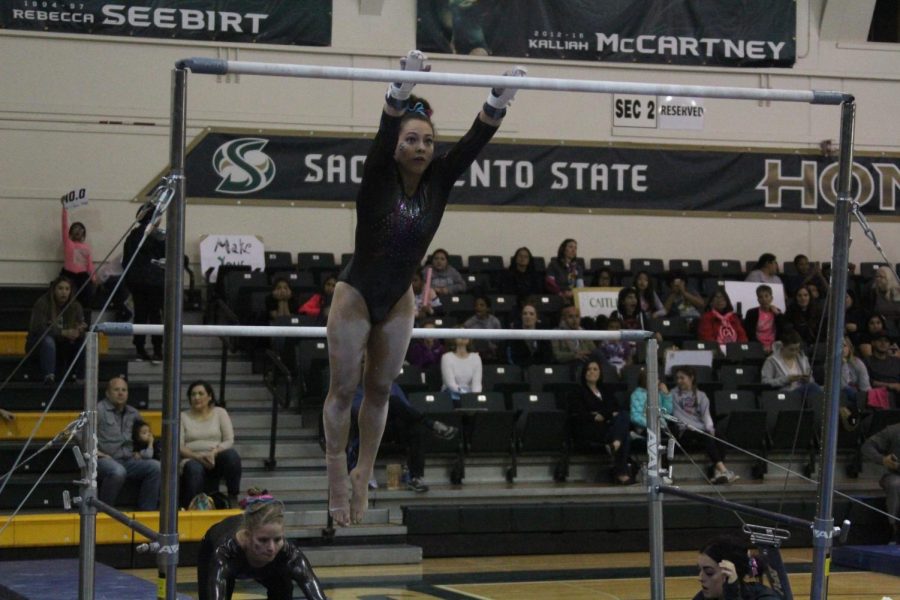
[404, 191]
[78, 265]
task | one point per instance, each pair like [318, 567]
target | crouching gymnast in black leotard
[252, 546]
[399, 206]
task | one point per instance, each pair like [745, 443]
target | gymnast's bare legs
[351, 338]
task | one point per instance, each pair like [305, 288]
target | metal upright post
[167, 557]
[657, 559]
[87, 525]
[823, 527]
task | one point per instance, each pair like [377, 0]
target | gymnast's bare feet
[338, 492]
[359, 501]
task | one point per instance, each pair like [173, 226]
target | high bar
[628, 335]
[217, 66]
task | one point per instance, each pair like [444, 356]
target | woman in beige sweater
[207, 447]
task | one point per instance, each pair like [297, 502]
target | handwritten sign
[594, 301]
[229, 249]
[75, 198]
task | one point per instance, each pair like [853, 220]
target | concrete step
[280, 484]
[385, 554]
[195, 367]
[259, 450]
[305, 519]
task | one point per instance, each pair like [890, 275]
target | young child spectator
[142, 441]
[638, 403]
[720, 323]
[597, 419]
[521, 278]
[318, 304]
[483, 319]
[564, 273]
[617, 353]
[765, 270]
[690, 406]
[444, 278]
[884, 368]
[604, 278]
[525, 353]
[56, 328]
[764, 323]
[433, 306]
[804, 316]
[281, 302]
[78, 265]
[649, 299]
[461, 370]
[875, 326]
[629, 311]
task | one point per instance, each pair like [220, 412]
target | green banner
[287, 22]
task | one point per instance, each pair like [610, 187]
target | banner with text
[731, 33]
[294, 22]
[328, 167]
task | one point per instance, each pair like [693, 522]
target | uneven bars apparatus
[173, 329]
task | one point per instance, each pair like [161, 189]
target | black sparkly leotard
[221, 560]
[393, 231]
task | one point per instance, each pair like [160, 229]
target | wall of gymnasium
[94, 111]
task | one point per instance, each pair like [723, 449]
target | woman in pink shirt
[78, 265]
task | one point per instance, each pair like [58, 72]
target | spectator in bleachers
[628, 310]
[683, 301]
[118, 459]
[521, 278]
[720, 324]
[883, 448]
[525, 353]
[638, 403]
[854, 318]
[690, 407]
[854, 379]
[425, 353]
[788, 368]
[597, 419]
[882, 295]
[804, 316]
[444, 278]
[407, 427]
[649, 299]
[571, 351]
[884, 368]
[146, 278]
[57, 329]
[806, 274]
[765, 270]
[319, 303]
[564, 273]
[617, 353]
[483, 319]
[461, 370]
[207, 447]
[604, 277]
[143, 442]
[281, 302]
[875, 326]
[764, 323]
[78, 265]
[425, 310]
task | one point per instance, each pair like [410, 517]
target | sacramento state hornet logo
[243, 166]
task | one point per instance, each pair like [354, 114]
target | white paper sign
[631, 110]
[743, 295]
[676, 112]
[694, 358]
[596, 301]
[230, 249]
[75, 199]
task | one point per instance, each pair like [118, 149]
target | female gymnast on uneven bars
[400, 203]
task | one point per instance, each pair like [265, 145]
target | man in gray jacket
[118, 461]
[884, 448]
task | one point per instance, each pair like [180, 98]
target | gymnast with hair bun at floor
[404, 190]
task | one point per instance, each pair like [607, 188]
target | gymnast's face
[264, 543]
[415, 147]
